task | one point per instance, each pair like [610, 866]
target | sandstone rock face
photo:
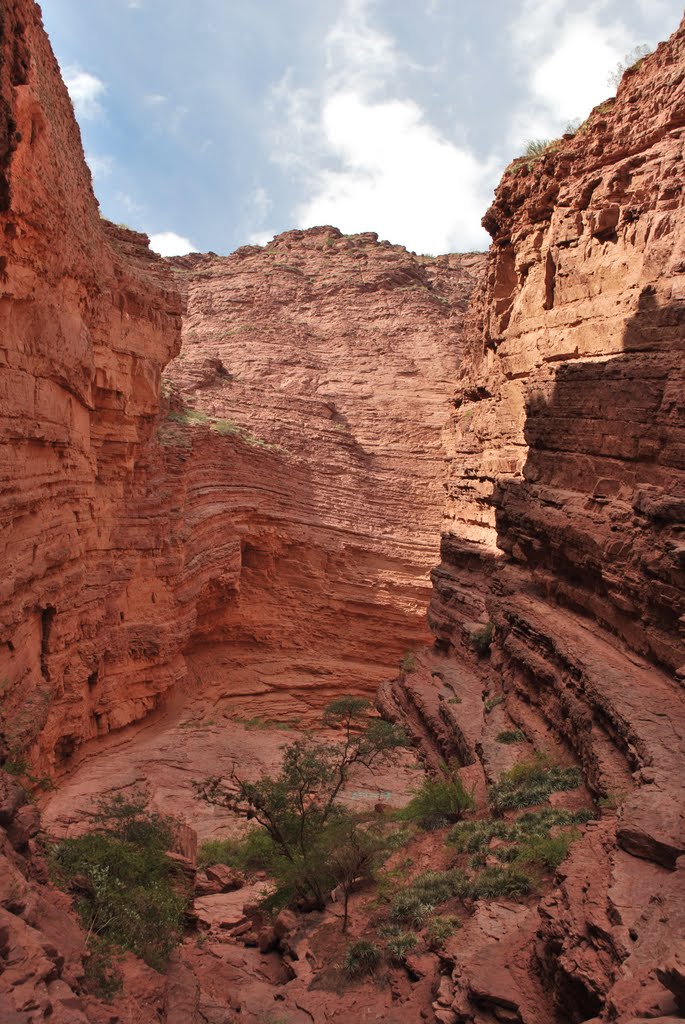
[89, 316]
[566, 509]
[325, 361]
[146, 550]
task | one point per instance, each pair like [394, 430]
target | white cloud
[565, 50]
[260, 237]
[168, 243]
[400, 177]
[86, 91]
[100, 166]
[573, 77]
[370, 160]
[154, 99]
[261, 202]
[357, 54]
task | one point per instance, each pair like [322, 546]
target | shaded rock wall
[89, 316]
[565, 529]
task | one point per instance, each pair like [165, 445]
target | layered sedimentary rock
[329, 358]
[566, 501]
[89, 317]
[273, 525]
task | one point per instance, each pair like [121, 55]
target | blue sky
[217, 123]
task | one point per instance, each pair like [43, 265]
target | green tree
[297, 806]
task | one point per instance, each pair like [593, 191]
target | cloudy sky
[216, 123]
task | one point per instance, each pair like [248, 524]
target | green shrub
[361, 958]
[536, 148]
[499, 882]
[400, 946]
[492, 702]
[438, 802]
[475, 836]
[128, 892]
[437, 887]
[439, 929]
[428, 890]
[481, 639]
[531, 782]
[510, 736]
[409, 908]
[408, 663]
[546, 851]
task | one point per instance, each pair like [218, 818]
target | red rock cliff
[273, 529]
[331, 357]
[566, 506]
[89, 317]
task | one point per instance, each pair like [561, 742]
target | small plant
[418, 901]
[409, 908]
[499, 882]
[536, 147]
[630, 62]
[436, 887]
[187, 416]
[438, 802]
[454, 700]
[408, 663]
[400, 946]
[546, 851]
[361, 958]
[481, 639]
[531, 782]
[439, 929]
[492, 702]
[510, 736]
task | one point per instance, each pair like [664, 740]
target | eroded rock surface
[148, 549]
[566, 507]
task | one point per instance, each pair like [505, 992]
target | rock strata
[565, 526]
[264, 527]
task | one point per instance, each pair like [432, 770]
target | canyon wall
[565, 534]
[333, 356]
[268, 522]
[89, 317]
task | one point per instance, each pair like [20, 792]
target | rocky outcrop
[566, 499]
[89, 317]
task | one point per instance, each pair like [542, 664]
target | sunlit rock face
[314, 379]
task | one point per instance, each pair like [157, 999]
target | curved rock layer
[566, 508]
[331, 357]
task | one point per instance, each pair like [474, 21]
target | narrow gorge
[236, 488]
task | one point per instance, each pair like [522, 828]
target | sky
[219, 123]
